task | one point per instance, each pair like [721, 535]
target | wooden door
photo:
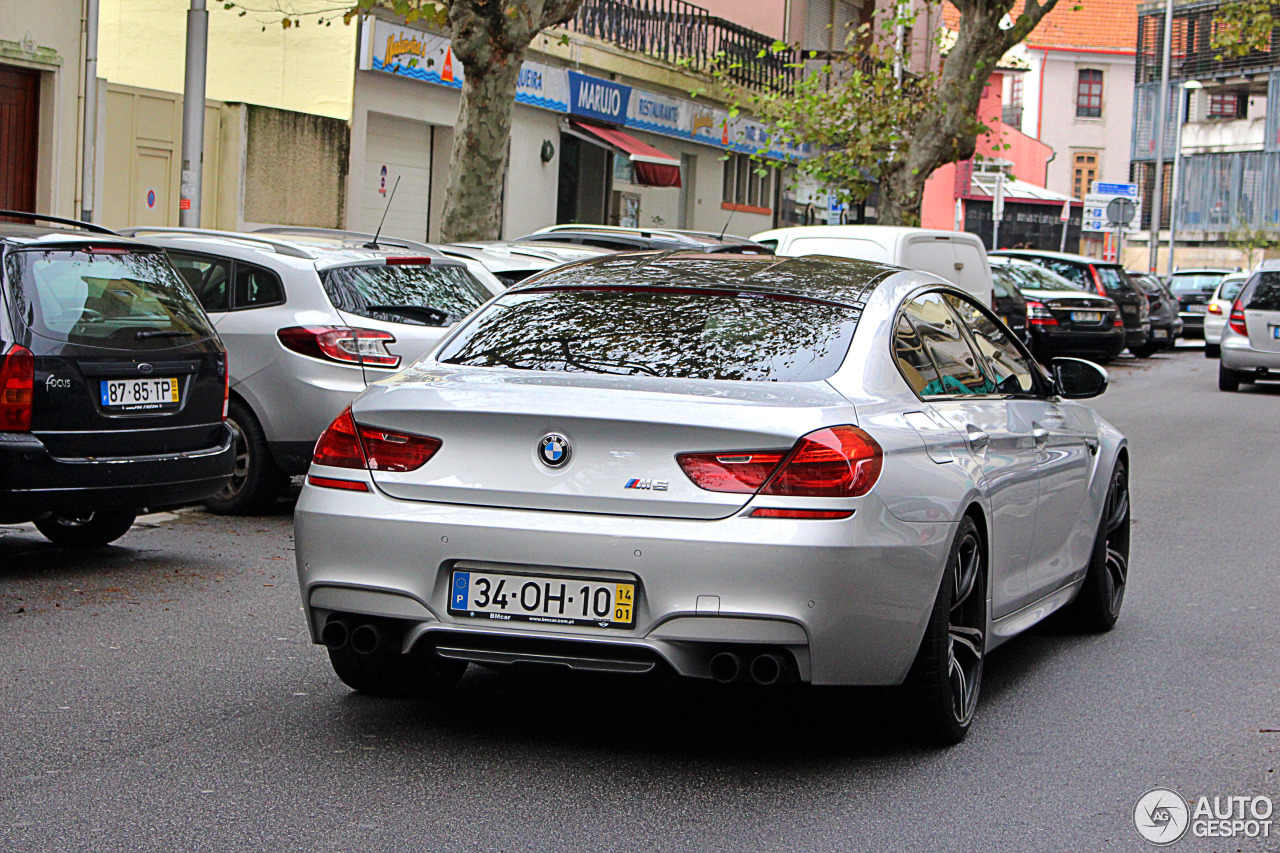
[19, 117]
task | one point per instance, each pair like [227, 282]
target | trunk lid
[622, 434]
[126, 364]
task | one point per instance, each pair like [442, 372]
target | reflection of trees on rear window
[1265, 295]
[392, 293]
[104, 299]
[680, 333]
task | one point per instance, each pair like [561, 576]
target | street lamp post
[1176, 190]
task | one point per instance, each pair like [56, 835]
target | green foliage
[1249, 239]
[1242, 26]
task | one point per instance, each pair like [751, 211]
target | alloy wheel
[966, 627]
[1117, 538]
[240, 473]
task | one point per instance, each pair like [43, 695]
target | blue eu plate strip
[461, 590]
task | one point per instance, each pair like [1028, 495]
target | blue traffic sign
[1129, 190]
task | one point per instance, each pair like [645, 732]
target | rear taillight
[836, 462]
[1119, 323]
[339, 446]
[408, 260]
[1038, 314]
[395, 451]
[1214, 308]
[742, 472]
[346, 444]
[764, 512]
[17, 384]
[226, 383]
[1237, 321]
[341, 344]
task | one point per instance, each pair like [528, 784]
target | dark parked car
[621, 239]
[1062, 319]
[1101, 278]
[1192, 288]
[1010, 304]
[113, 384]
[1166, 325]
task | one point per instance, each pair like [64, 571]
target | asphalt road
[163, 695]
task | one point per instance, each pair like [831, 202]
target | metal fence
[679, 32]
[1192, 54]
[1225, 192]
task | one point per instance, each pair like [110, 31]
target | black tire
[1228, 380]
[1145, 351]
[256, 481]
[394, 675]
[85, 530]
[943, 684]
[1096, 607]
[1212, 351]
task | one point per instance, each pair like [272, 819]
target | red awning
[653, 168]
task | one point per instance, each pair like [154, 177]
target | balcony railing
[1192, 54]
[682, 33]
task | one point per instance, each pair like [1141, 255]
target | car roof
[1061, 256]
[19, 234]
[886, 232]
[841, 280]
[1202, 271]
[324, 247]
[654, 236]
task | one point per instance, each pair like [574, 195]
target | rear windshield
[1028, 277]
[1115, 280]
[1231, 287]
[1263, 293]
[105, 298]
[673, 332]
[1195, 282]
[419, 294]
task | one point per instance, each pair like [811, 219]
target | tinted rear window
[1263, 293]
[1028, 277]
[1231, 287]
[683, 333]
[1115, 280]
[1196, 282]
[133, 300]
[398, 293]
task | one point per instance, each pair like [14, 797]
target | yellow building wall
[252, 59]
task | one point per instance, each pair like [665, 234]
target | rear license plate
[139, 393]
[1086, 316]
[1159, 333]
[1130, 309]
[1197, 309]
[558, 601]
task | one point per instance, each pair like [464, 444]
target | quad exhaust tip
[335, 634]
[366, 639]
[726, 667]
[767, 668]
[764, 669]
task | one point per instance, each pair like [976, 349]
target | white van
[957, 256]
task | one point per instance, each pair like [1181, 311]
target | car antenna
[373, 244]
[732, 211]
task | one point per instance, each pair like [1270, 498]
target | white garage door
[396, 147]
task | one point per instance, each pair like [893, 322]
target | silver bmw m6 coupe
[760, 470]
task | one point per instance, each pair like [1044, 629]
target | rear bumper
[35, 481]
[1192, 323]
[846, 613]
[1046, 342]
[1237, 354]
[1136, 337]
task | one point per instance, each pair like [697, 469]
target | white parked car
[957, 256]
[1218, 309]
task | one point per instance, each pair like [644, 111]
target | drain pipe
[87, 153]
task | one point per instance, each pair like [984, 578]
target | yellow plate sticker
[623, 600]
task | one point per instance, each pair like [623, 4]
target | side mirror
[1077, 379]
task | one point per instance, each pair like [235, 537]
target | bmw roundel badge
[553, 450]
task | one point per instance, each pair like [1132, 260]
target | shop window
[1089, 93]
[1226, 105]
[1084, 171]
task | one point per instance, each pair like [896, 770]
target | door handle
[1041, 437]
[978, 439]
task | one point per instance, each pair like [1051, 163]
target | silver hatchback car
[731, 468]
[1250, 347]
[309, 321]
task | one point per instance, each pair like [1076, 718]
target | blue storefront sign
[603, 100]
